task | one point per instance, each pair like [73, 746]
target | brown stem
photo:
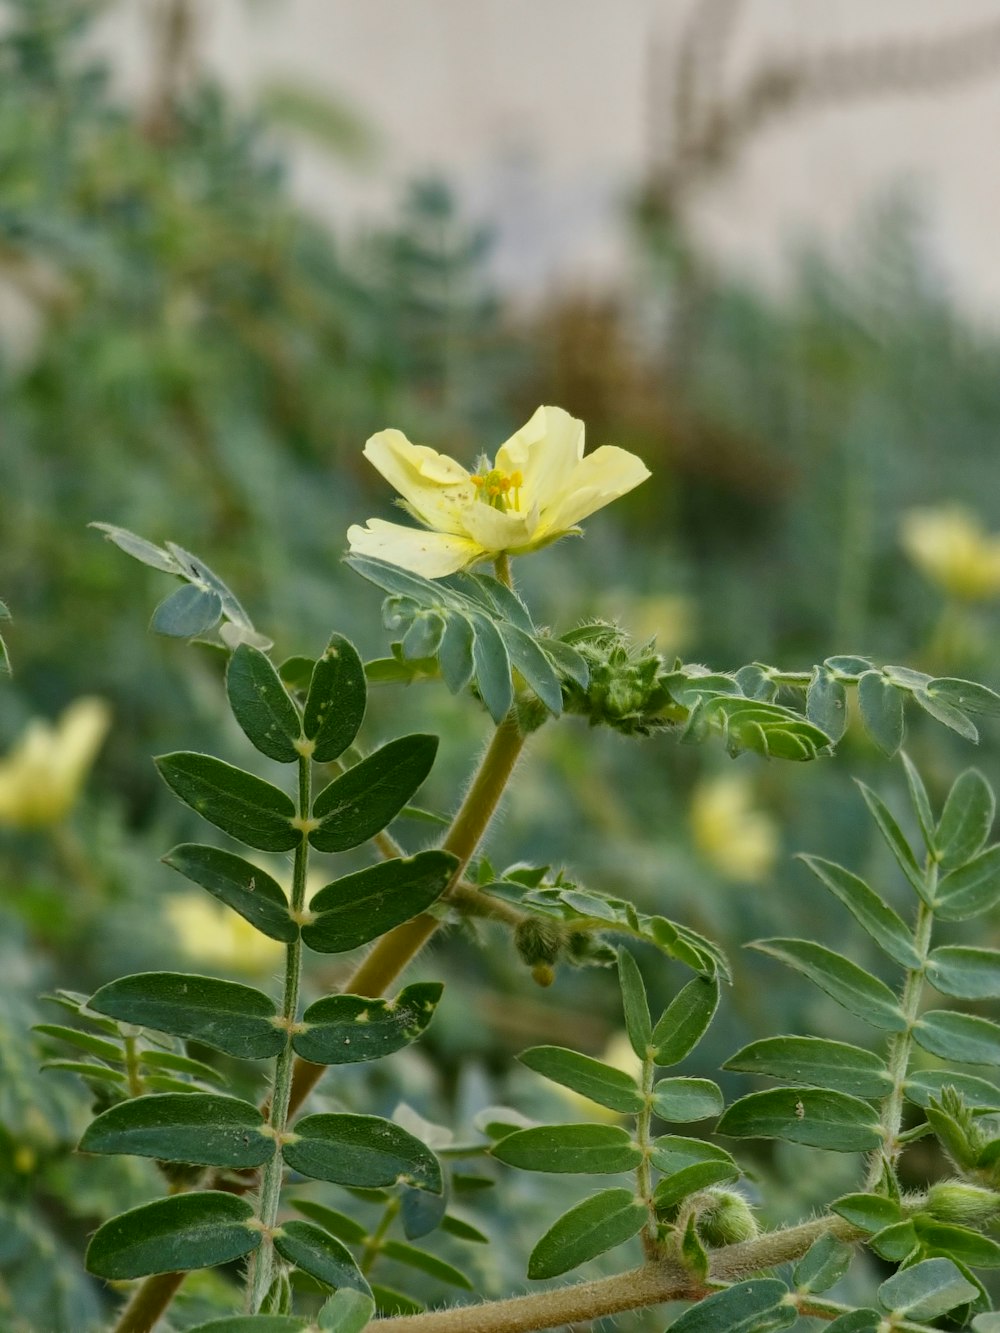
[148, 1302]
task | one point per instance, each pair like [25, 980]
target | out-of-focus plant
[41, 777]
[226, 1158]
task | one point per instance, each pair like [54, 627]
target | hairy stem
[656, 1281]
[262, 1263]
[148, 1302]
[394, 950]
[901, 1043]
[643, 1174]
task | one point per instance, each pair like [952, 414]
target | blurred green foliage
[188, 354]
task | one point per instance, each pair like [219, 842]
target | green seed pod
[725, 1218]
[956, 1201]
[539, 940]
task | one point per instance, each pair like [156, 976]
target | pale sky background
[543, 115]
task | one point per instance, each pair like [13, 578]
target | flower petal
[431, 554]
[495, 530]
[545, 451]
[434, 486]
[596, 480]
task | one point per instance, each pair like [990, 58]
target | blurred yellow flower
[739, 841]
[210, 933]
[949, 545]
[537, 490]
[41, 777]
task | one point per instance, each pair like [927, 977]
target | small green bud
[957, 1201]
[539, 939]
[725, 1218]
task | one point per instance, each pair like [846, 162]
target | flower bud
[538, 939]
[957, 1201]
[725, 1218]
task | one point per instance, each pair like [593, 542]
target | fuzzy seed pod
[538, 939]
[725, 1218]
[957, 1201]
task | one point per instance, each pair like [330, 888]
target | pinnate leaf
[359, 907]
[591, 1078]
[580, 1149]
[200, 1127]
[966, 819]
[242, 886]
[361, 1150]
[813, 1116]
[319, 1254]
[743, 1308]
[261, 704]
[685, 1020]
[851, 986]
[816, 1062]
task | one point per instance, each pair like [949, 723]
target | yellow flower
[537, 490]
[41, 777]
[949, 545]
[739, 841]
[211, 934]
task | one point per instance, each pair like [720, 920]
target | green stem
[643, 1172]
[132, 1067]
[901, 1043]
[262, 1264]
[374, 1242]
[501, 567]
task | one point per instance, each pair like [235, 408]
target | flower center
[500, 490]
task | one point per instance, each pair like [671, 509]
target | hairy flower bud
[725, 1218]
[539, 939]
[957, 1201]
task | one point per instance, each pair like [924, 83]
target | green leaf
[951, 717]
[636, 1006]
[361, 1150]
[826, 703]
[455, 653]
[242, 886]
[958, 1243]
[338, 1224]
[86, 1070]
[359, 907]
[527, 658]
[457, 1226]
[680, 1099]
[591, 1078]
[851, 986]
[197, 1230]
[923, 1084]
[893, 836]
[694, 1256]
[883, 924]
[738, 1309]
[244, 806]
[870, 1212]
[200, 1127]
[577, 1149]
[690, 1180]
[689, 1165]
[599, 1223]
[926, 1290]
[138, 548]
[855, 1321]
[971, 888]
[188, 612]
[423, 638]
[425, 1263]
[347, 1311]
[881, 711]
[965, 695]
[812, 1116]
[961, 1037]
[181, 1064]
[320, 1255]
[969, 974]
[335, 704]
[816, 1062]
[919, 800]
[362, 801]
[823, 1265]
[897, 1243]
[225, 1014]
[346, 1029]
[966, 819]
[492, 665]
[685, 1020]
[84, 1041]
[261, 704]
